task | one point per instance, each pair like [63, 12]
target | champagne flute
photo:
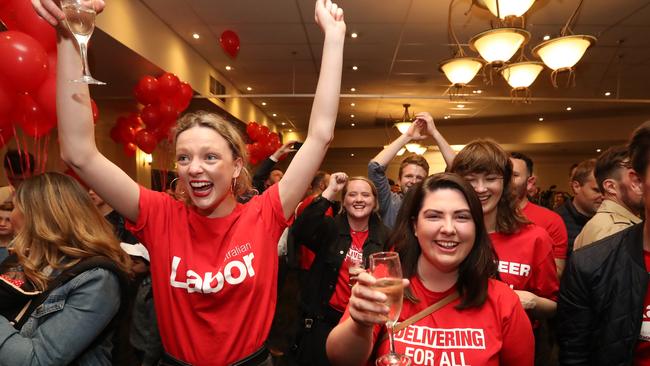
[386, 268]
[355, 267]
[80, 18]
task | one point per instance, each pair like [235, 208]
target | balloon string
[26, 164]
[11, 168]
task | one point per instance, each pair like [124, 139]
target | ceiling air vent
[217, 88]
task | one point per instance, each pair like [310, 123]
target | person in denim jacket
[65, 327]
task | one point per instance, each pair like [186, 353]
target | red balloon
[168, 85]
[24, 62]
[254, 131]
[130, 149]
[151, 116]
[21, 16]
[183, 97]
[31, 118]
[168, 111]
[93, 106]
[46, 97]
[146, 141]
[6, 133]
[147, 90]
[134, 121]
[229, 41]
[115, 134]
[126, 133]
[7, 99]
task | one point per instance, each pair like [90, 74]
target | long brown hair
[486, 156]
[232, 136]
[62, 226]
[479, 265]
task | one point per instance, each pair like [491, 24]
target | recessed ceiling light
[263, 103]
[568, 108]
[447, 117]
[598, 150]
[479, 91]
[355, 68]
[354, 35]
[228, 67]
[352, 104]
[607, 94]
[352, 155]
[283, 123]
[546, 37]
[352, 116]
[540, 119]
[290, 130]
[353, 89]
[274, 114]
[249, 88]
[196, 36]
[460, 105]
[352, 124]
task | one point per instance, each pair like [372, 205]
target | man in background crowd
[586, 200]
[6, 228]
[523, 179]
[18, 166]
[622, 197]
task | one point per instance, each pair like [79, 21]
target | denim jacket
[62, 328]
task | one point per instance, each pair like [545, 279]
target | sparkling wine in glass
[355, 268]
[386, 268]
[80, 18]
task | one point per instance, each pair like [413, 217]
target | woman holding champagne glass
[454, 312]
[213, 260]
[342, 245]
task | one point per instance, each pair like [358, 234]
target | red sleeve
[544, 281]
[558, 232]
[518, 347]
[151, 202]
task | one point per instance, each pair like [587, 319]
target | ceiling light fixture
[355, 68]
[598, 150]
[249, 88]
[540, 119]
[352, 124]
[561, 54]
[400, 152]
[354, 35]
[607, 94]
[405, 122]
[461, 106]
[568, 108]
[352, 155]
[503, 9]
[460, 69]
[263, 103]
[353, 89]
[520, 76]
[546, 37]
[447, 117]
[497, 46]
[412, 147]
[274, 114]
[196, 36]
[352, 104]
[283, 123]
[352, 116]
[228, 67]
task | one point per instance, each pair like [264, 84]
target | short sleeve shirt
[214, 279]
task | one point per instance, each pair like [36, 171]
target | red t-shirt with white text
[497, 333]
[214, 279]
[553, 224]
[526, 261]
[341, 295]
[306, 255]
[642, 352]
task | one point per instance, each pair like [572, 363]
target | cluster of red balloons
[164, 98]
[229, 42]
[264, 143]
[27, 72]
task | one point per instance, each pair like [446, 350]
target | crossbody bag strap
[429, 310]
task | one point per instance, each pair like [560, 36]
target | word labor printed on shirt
[234, 272]
[645, 325]
[439, 347]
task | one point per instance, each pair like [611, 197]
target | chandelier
[460, 69]
[503, 9]
[561, 54]
[415, 148]
[404, 124]
[497, 46]
[520, 76]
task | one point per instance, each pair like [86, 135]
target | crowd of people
[100, 270]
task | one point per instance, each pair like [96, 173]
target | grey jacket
[60, 330]
[389, 202]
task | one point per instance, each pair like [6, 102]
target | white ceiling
[399, 47]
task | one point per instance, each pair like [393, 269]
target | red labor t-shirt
[214, 279]
[306, 255]
[341, 295]
[526, 261]
[642, 352]
[496, 333]
[553, 224]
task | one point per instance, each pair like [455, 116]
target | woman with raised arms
[214, 261]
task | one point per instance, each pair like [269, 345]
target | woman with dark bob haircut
[444, 250]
